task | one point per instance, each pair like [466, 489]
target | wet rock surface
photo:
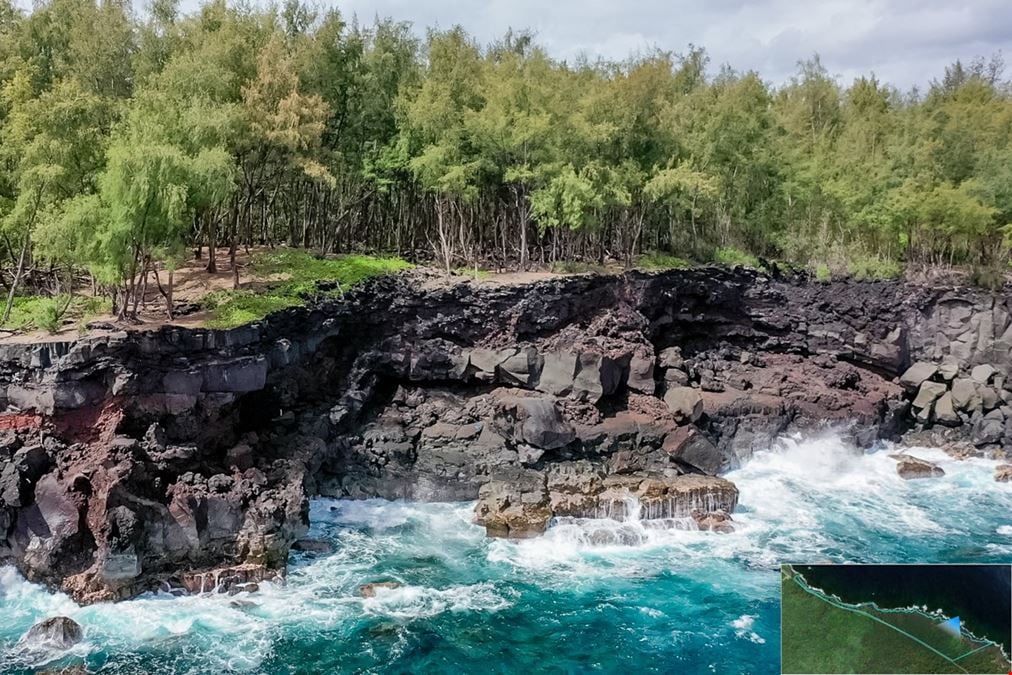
[909, 467]
[184, 458]
[369, 590]
[58, 633]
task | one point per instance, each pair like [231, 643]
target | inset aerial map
[896, 618]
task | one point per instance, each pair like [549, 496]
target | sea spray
[610, 594]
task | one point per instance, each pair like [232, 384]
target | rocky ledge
[184, 458]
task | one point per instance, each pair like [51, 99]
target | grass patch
[735, 257]
[235, 308]
[870, 268]
[661, 261]
[41, 312]
[302, 272]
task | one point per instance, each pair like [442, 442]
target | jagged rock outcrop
[520, 503]
[184, 458]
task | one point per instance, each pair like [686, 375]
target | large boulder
[965, 396]
[586, 376]
[689, 447]
[910, 467]
[58, 632]
[557, 373]
[927, 394]
[641, 375]
[529, 420]
[685, 402]
[890, 354]
[916, 374]
[983, 373]
[989, 399]
[597, 376]
[988, 429]
[675, 377]
[543, 426]
[945, 413]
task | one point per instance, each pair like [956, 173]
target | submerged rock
[716, 521]
[369, 590]
[314, 546]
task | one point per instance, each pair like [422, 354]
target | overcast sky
[904, 42]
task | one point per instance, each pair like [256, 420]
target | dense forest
[130, 141]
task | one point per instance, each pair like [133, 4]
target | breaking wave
[633, 594]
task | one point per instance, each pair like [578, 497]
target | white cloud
[906, 42]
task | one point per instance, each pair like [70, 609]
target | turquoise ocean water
[589, 596]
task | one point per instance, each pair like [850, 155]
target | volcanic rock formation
[184, 458]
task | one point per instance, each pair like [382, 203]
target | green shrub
[302, 272]
[822, 273]
[868, 268]
[661, 261]
[50, 315]
[31, 312]
[735, 257]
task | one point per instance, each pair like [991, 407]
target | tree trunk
[212, 246]
[17, 278]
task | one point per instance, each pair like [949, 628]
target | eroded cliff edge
[185, 458]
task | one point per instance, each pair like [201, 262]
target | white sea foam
[801, 501]
[413, 602]
[743, 629]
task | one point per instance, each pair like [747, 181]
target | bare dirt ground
[192, 282]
